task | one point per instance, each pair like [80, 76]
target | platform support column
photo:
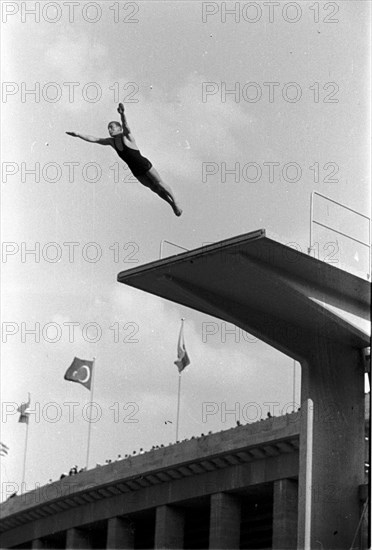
[331, 465]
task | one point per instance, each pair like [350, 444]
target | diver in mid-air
[122, 140]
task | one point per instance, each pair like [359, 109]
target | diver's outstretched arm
[91, 139]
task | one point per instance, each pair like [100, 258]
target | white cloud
[75, 57]
[180, 131]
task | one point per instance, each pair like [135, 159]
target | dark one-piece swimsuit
[137, 164]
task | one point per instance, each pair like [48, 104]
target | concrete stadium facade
[233, 489]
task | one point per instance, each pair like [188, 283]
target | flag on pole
[182, 359]
[80, 371]
[3, 449]
[24, 411]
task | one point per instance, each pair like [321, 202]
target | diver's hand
[121, 109]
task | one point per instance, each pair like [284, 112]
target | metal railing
[169, 242]
[312, 221]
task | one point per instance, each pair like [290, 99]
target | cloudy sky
[278, 93]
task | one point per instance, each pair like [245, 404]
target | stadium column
[285, 514]
[38, 544]
[78, 538]
[169, 527]
[224, 527]
[120, 533]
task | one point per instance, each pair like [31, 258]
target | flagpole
[25, 451]
[294, 384]
[90, 416]
[178, 404]
[182, 362]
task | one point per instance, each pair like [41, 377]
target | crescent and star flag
[24, 412]
[80, 371]
[182, 359]
[3, 449]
